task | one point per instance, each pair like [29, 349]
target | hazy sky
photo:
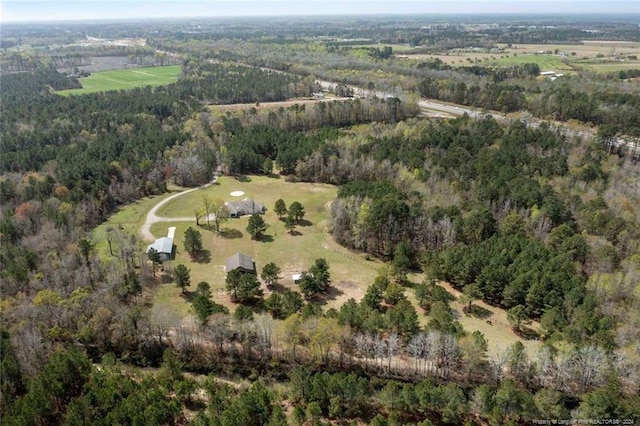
[46, 10]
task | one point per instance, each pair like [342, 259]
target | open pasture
[351, 273]
[124, 79]
[592, 56]
[589, 48]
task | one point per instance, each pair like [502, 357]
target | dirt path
[272, 105]
[152, 218]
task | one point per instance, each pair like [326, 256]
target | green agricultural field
[125, 79]
[545, 62]
[585, 60]
[609, 67]
[397, 47]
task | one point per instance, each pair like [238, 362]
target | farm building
[552, 75]
[244, 207]
[241, 262]
[298, 277]
[164, 246]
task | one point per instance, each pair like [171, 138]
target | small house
[240, 262]
[164, 246]
[244, 207]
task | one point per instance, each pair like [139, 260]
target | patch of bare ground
[272, 105]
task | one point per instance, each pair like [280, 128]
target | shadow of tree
[204, 256]
[304, 222]
[478, 312]
[266, 238]
[528, 333]
[165, 278]
[278, 288]
[194, 404]
[230, 234]
[187, 295]
[331, 294]
[243, 178]
[294, 233]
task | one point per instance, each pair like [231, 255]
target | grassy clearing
[397, 47]
[588, 48]
[125, 79]
[260, 106]
[351, 273]
[608, 67]
[545, 62]
[127, 221]
[594, 56]
[462, 59]
[498, 332]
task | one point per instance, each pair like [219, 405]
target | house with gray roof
[244, 207]
[164, 246]
[241, 262]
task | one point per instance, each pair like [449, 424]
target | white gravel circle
[237, 194]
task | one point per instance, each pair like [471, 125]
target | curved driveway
[152, 218]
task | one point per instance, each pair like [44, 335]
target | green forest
[520, 213]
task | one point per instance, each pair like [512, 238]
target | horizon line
[628, 15]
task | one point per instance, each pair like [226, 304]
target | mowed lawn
[351, 273]
[125, 79]
[126, 222]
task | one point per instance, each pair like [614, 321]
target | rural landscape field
[372, 218]
[103, 81]
[587, 56]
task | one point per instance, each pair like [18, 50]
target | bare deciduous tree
[586, 368]
[380, 350]
[547, 368]
[415, 348]
[393, 344]
[497, 362]
[218, 330]
[264, 329]
[31, 349]
[449, 354]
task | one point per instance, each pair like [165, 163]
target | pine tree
[181, 275]
[280, 208]
[270, 273]
[193, 242]
[290, 223]
[256, 226]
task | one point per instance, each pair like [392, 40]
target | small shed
[298, 277]
[240, 262]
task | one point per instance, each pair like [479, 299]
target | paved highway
[458, 110]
